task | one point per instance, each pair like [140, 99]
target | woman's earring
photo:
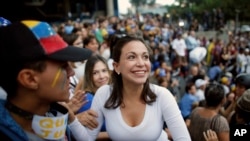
[118, 73]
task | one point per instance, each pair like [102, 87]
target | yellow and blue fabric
[49, 40]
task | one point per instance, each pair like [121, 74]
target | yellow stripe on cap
[30, 23]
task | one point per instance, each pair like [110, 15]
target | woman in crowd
[96, 75]
[91, 43]
[205, 118]
[133, 108]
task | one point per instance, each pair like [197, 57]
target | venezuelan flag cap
[32, 40]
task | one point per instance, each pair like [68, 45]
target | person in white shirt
[133, 108]
[179, 46]
[201, 86]
[241, 60]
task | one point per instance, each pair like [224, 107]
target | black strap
[55, 107]
[13, 108]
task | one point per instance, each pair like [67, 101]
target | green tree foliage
[229, 8]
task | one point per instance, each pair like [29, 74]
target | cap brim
[72, 54]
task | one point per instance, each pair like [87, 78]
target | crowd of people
[121, 79]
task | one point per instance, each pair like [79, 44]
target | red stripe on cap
[53, 43]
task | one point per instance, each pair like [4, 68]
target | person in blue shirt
[215, 71]
[189, 101]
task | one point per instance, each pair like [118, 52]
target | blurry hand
[210, 135]
[71, 113]
[77, 101]
[231, 97]
[88, 119]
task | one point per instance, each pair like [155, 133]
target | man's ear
[28, 78]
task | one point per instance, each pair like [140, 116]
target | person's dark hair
[189, 86]
[8, 79]
[199, 76]
[214, 94]
[243, 79]
[161, 56]
[88, 40]
[88, 74]
[101, 20]
[112, 40]
[116, 97]
[76, 29]
[87, 24]
[70, 38]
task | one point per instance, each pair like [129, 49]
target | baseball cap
[200, 82]
[29, 40]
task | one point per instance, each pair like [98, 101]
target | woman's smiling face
[101, 74]
[134, 64]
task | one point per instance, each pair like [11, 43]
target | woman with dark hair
[91, 43]
[133, 108]
[96, 75]
[204, 118]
